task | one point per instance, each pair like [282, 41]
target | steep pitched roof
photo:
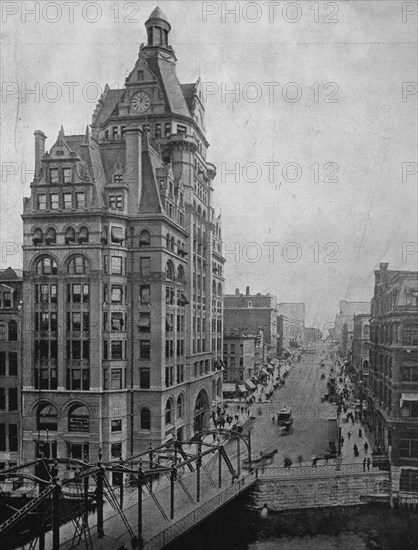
[150, 194]
[11, 274]
[165, 71]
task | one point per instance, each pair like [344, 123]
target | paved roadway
[303, 391]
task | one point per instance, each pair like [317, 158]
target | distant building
[293, 323]
[312, 335]
[250, 313]
[10, 367]
[393, 394]
[239, 361]
[344, 323]
[360, 349]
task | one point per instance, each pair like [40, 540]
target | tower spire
[158, 28]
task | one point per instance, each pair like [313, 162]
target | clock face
[141, 102]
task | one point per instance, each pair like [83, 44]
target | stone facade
[293, 323]
[360, 350]
[344, 323]
[320, 492]
[10, 367]
[393, 393]
[238, 357]
[123, 272]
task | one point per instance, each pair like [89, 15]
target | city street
[303, 391]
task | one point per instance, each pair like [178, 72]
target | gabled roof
[11, 274]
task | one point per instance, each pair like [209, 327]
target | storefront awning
[249, 385]
[408, 397]
[242, 388]
[6, 288]
[263, 372]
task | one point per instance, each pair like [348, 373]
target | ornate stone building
[123, 272]
[393, 374]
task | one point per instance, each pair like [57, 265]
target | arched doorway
[201, 412]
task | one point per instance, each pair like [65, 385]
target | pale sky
[364, 138]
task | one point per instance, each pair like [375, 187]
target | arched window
[78, 266]
[169, 416]
[250, 304]
[78, 418]
[366, 332]
[70, 235]
[12, 331]
[46, 266]
[83, 235]
[3, 332]
[219, 388]
[169, 271]
[219, 289]
[180, 406]
[50, 236]
[145, 419]
[167, 241]
[144, 238]
[213, 390]
[172, 244]
[37, 236]
[180, 274]
[214, 288]
[47, 417]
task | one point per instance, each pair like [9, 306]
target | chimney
[237, 292]
[247, 290]
[133, 166]
[40, 138]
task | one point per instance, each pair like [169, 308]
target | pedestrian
[289, 463]
[272, 418]
[368, 464]
[348, 435]
[364, 464]
[366, 447]
[342, 440]
[355, 449]
[314, 461]
[300, 460]
[360, 433]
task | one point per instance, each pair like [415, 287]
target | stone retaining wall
[336, 490]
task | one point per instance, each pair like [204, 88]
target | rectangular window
[41, 202]
[12, 399]
[116, 451]
[105, 350]
[2, 363]
[66, 174]
[2, 437]
[140, 75]
[145, 294]
[144, 378]
[145, 267]
[158, 130]
[80, 200]
[145, 349]
[181, 129]
[116, 347]
[167, 129]
[115, 201]
[144, 322]
[54, 201]
[2, 399]
[67, 201]
[117, 323]
[116, 425]
[116, 266]
[116, 294]
[13, 446]
[12, 363]
[54, 175]
[115, 131]
[116, 379]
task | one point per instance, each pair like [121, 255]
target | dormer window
[115, 131]
[117, 178]
[140, 75]
[158, 130]
[67, 176]
[167, 129]
[115, 202]
[54, 176]
[181, 129]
